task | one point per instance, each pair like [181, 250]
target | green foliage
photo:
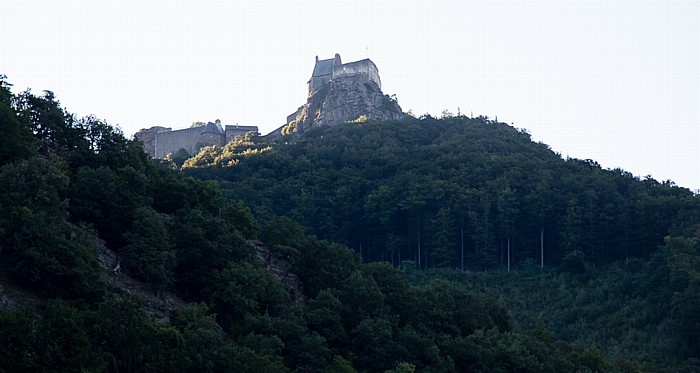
[63, 342]
[629, 311]
[374, 344]
[17, 342]
[240, 218]
[402, 367]
[244, 289]
[290, 128]
[423, 193]
[39, 246]
[340, 365]
[55, 341]
[283, 231]
[149, 254]
[325, 265]
[204, 246]
[179, 157]
[430, 190]
[16, 141]
[684, 272]
[573, 262]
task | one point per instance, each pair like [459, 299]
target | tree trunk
[508, 254]
[462, 233]
[419, 259]
[542, 246]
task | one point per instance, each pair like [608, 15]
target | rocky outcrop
[342, 100]
[160, 305]
[280, 267]
[13, 298]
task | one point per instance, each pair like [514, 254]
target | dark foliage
[406, 196]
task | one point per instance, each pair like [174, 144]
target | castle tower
[337, 61]
[323, 72]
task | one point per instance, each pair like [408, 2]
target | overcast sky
[614, 81]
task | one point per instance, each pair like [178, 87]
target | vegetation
[457, 192]
[406, 196]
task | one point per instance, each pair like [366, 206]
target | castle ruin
[333, 68]
[159, 142]
[340, 93]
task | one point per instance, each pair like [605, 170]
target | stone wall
[188, 139]
[293, 116]
[158, 142]
[210, 138]
[148, 137]
[317, 82]
[237, 131]
[363, 67]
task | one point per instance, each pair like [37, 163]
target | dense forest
[429, 245]
[453, 192]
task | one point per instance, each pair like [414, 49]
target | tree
[444, 238]
[40, 248]
[374, 344]
[16, 141]
[507, 208]
[179, 157]
[149, 253]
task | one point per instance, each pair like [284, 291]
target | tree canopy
[376, 223]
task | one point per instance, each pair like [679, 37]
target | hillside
[255, 290]
[477, 195]
[453, 192]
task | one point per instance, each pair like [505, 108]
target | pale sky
[614, 81]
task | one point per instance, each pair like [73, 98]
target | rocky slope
[280, 268]
[161, 305]
[343, 100]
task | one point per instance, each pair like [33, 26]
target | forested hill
[452, 192]
[412, 192]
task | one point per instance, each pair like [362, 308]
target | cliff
[342, 100]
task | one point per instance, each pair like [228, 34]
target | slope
[453, 192]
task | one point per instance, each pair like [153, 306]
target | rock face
[345, 93]
[280, 268]
[157, 306]
[344, 100]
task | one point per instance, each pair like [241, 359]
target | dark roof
[323, 67]
[212, 128]
[245, 128]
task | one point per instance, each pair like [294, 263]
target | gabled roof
[323, 67]
[212, 128]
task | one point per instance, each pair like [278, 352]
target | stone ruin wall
[148, 137]
[234, 132]
[364, 67]
[317, 82]
[188, 139]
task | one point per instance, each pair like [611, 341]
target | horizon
[617, 82]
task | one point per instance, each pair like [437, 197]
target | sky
[613, 81]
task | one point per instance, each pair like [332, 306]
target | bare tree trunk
[462, 232]
[419, 259]
[542, 246]
[508, 254]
